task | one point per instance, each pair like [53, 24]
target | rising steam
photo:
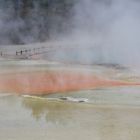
[110, 28]
[113, 27]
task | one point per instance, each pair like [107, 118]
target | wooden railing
[28, 53]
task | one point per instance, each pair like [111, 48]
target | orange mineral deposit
[42, 82]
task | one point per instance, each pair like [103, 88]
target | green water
[109, 114]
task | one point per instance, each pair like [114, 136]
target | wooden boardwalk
[39, 49]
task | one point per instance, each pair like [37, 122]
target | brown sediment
[39, 83]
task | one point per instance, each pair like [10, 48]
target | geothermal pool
[109, 113]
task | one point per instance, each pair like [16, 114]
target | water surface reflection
[31, 118]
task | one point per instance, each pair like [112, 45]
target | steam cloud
[114, 28]
[110, 27]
